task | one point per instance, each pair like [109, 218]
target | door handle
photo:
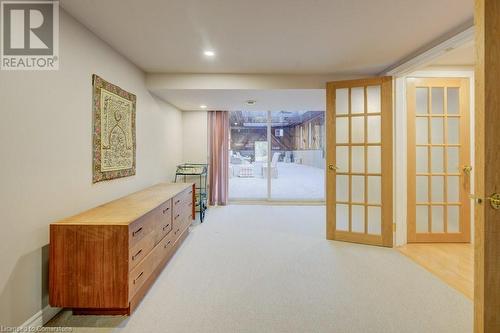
[494, 200]
[467, 169]
[333, 167]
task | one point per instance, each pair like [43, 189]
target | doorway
[277, 156]
[439, 170]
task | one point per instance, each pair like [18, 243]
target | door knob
[494, 200]
[467, 169]
[332, 167]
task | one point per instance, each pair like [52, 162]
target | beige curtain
[218, 143]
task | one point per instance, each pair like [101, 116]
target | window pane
[342, 184]
[341, 101]
[358, 159]
[342, 130]
[422, 131]
[453, 101]
[437, 130]
[357, 100]
[342, 158]
[453, 130]
[437, 159]
[437, 188]
[373, 129]
[453, 219]
[374, 189]
[358, 218]
[358, 189]
[422, 160]
[422, 189]
[437, 100]
[422, 220]
[358, 129]
[422, 96]
[437, 219]
[374, 220]
[342, 217]
[374, 159]
[374, 102]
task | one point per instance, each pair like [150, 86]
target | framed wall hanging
[114, 146]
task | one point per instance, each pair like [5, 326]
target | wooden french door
[438, 160]
[359, 161]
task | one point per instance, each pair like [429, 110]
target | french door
[438, 160]
[359, 161]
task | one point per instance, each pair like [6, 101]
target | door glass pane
[373, 129]
[342, 101]
[422, 186]
[453, 188]
[342, 185]
[375, 220]
[374, 189]
[453, 130]
[422, 131]
[358, 189]
[358, 129]
[453, 159]
[373, 96]
[342, 217]
[453, 101]
[358, 159]
[374, 159]
[358, 218]
[437, 100]
[357, 100]
[248, 152]
[422, 97]
[437, 188]
[341, 130]
[437, 219]
[297, 159]
[342, 158]
[437, 130]
[422, 219]
[453, 219]
[437, 159]
[422, 160]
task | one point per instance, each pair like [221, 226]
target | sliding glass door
[277, 156]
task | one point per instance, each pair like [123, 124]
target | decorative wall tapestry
[114, 131]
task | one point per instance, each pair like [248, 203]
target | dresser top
[126, 210]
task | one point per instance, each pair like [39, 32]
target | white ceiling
[270, 36]
[234, 100]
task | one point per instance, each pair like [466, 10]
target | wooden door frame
[464, 133]
[386, 238]
[487, 175]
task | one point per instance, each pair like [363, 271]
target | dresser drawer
[181, 199]
[164, 223]
[141, 273]
[141, 249]
[141, 227]
[164, 248]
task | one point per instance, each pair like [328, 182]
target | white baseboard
[41, 317]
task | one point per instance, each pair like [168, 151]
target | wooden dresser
[104, 260]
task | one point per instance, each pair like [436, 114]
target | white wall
[46, 160]
[400, 143]
[195, 137]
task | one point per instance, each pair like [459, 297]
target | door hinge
[394, 227]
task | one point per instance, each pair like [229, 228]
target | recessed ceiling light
[203, 106]
[251, 102]
[209, 53]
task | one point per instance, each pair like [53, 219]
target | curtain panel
[218, 142]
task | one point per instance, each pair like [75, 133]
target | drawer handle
[166, 245]
[166, 210]
[176, 216]
[177, 201]
[138, 277]
[166, 226]
[137, 254]
[136, 232]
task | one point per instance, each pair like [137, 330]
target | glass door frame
[269, 198]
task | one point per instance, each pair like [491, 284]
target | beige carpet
[269, 269]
